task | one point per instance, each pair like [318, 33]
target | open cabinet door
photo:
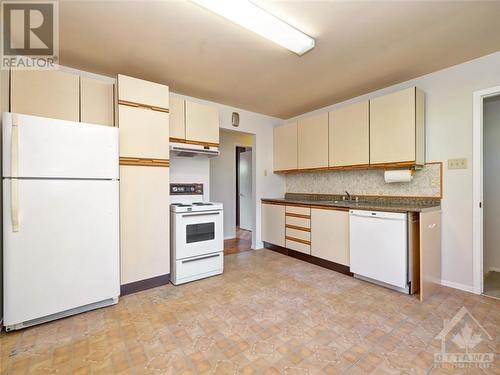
[430, 253]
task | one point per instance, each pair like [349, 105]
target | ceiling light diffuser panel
[256, 19]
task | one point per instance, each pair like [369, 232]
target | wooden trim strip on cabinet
[141, 105]
[291, 204]
[296, 227]
[297, 240]
[273, 202]
[145, 162]
[198, 143]
[297, 215]
[331, 208]
[403, 164]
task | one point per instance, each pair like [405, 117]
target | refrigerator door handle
[14, 166]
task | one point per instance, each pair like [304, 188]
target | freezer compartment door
[65, 253]
[39, 147]
[378, 247]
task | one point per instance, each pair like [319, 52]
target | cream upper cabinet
[313, 142]
[285, 147]
[177, 118]
[273, 224]
[397, 131]
[96, 101]
[330, 235]
[202, 123]
[144, 223]
[143, 133]
[45, 93]
[349, 136]
[142, 92]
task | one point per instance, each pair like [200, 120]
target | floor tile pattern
[267, 314]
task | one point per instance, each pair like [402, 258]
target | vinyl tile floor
[267, 314]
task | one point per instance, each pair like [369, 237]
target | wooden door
[273, 224]
[144, 223]
[143, 133]
[330, 235]
[96, 101]
[177, 119]
[202, 123]
[45, 93]
[392, 128]
[349, 135]
[285, 147]
[430, 253]
[142, 92]
[313, 142]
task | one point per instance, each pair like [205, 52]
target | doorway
[486, 183]
[232, 182]
[491, 199]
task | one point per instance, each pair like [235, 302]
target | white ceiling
[361, 46]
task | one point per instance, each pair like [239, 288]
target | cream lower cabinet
[273, 223]
[430, 253]
[285, 147]
[313, 142]
[96, 101]
[330, 235]
[202, 123]
[349, 136]
[298, 228]
[45, 93]
[144, 223]
[397, 130]
[144, 133]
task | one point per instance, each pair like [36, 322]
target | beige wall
[223, 176]
[449, 135]
[491, 184]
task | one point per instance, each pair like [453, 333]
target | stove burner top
[202, 204]
[181, 205]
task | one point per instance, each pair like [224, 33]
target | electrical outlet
[457, 163]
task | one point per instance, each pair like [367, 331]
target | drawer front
[298, 221]
[300, 234]
[298, 246]
[298, 210]
[196, 268]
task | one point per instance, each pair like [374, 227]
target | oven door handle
[201, 258]
[202, 214]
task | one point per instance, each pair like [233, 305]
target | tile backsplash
[426, 183]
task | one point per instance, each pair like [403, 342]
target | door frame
[237, 169]
[477, 185]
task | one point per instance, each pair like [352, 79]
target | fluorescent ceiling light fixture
[253, 18]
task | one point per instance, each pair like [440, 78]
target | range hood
[189, 150]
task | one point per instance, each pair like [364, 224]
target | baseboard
[140, 285]
[451, 284]
[310, 259]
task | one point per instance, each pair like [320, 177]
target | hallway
[242, 242]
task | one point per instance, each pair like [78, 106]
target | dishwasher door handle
[378, 217]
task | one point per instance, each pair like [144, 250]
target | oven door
[198, 233]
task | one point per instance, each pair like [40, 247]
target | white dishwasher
[379, 247]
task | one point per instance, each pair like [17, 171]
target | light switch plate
[457, 163]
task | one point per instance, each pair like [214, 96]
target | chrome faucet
[348, 195]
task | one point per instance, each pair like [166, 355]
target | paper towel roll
[401, 175]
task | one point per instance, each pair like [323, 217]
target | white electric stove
[196, 234]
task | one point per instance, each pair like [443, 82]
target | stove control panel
[186, 189]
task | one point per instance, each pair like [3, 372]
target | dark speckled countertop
[371, 203]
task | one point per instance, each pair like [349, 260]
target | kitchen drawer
[298, 246]
[300, 234]
[298, 210]
[196, 268]
[142, 92]
[298, 221]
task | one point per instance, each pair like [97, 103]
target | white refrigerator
[60, 218]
